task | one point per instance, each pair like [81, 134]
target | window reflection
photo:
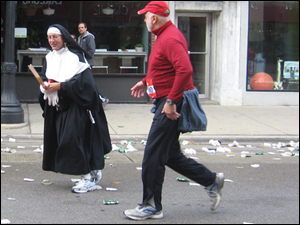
[115, 25]
[273, 45]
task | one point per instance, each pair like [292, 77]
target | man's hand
[170, 111]
[138, 90]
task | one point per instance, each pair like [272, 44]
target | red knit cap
[156, 7]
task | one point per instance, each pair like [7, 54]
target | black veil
[70, 42]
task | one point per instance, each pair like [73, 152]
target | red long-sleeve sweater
[169, 65]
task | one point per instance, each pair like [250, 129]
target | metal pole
[11, 110]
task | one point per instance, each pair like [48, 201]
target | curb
[201, 139]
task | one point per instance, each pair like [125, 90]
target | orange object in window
[262, 81]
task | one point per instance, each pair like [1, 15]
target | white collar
[63, 64]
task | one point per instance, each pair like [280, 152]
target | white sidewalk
[227, 122]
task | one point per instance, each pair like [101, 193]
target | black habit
[72, 143]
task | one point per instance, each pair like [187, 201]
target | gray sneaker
[96, 175]
[143, 212]
[214, 191]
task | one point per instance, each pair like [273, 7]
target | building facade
[242, 52]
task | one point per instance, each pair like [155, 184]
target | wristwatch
[170, 102]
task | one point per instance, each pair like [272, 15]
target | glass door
[196, 27]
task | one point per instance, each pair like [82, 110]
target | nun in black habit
[76, 135]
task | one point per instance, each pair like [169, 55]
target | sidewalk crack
[129, 158]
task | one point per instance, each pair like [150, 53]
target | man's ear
[154, 19]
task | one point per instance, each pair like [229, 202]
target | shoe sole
[221, 180]
[94, 188]
[217, 204]
[221, 185]
[159, 216]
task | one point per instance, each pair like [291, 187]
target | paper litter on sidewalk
[267, 145]
[214, 142]
[255, 165]
[28, 180]
[209, 150]
[8, 150]
[6, 166]
[114, 147]
[286, 154]
[38, 150]
[5, 221]
[233, 144]
[184, 142]
[244, 152]
[190, 151]
[130, 148]
[111, 189]
[11, 140]
[124, 142]
[46, 182]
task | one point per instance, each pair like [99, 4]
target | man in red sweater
[169, 75]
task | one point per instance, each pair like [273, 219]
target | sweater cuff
[144, 81]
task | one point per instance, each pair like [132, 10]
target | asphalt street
[267, 194]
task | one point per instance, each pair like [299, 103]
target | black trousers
[163, 149]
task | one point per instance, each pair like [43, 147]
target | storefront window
[273, 51]
[115, 24]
